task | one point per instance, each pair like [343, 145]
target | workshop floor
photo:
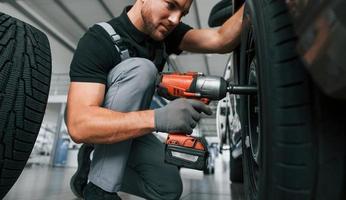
[42, 183]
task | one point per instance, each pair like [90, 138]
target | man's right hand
[180, 115]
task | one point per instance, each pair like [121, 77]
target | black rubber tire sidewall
[287, 156]
[220, 16]
[220, 5]
[25, 72]
[236, 169]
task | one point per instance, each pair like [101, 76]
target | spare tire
[293, 136]
[25, 72]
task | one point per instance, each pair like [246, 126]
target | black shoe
[80, 179]
[92, 192]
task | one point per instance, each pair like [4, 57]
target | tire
[25, 71]
[210, 161]
[236, 169]
[219, 5]
[218, 18]
[208, 170]
[293, 135]
[220, 13]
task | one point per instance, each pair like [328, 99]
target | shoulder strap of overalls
[124, 53]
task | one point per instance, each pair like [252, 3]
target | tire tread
[25, 66]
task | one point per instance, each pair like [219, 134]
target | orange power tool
[182, 149]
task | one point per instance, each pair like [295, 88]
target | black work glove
[180, 115]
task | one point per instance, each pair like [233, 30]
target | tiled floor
[42, 183]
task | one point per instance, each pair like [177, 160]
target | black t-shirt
[96, 54]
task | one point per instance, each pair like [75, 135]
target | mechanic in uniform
[113, 75]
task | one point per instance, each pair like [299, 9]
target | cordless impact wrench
[182, 149]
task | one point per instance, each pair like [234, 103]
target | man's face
[162, 16]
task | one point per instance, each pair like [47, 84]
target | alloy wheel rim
[253, 113]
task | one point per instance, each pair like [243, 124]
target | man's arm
[221, 40]
[88, 122]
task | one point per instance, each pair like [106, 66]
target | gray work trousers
[134, 166]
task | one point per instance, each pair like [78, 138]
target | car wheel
[236, 165]
[210, 162]
[236, 169]
[221, 122]
[209, 169]
[293, 136]
[25, 71]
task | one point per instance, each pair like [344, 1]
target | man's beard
[149, 27]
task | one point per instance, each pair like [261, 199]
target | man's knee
[139, 71]
[130, 85]
[146, 67]
[145, 73]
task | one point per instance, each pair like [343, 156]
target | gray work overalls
[134, 166]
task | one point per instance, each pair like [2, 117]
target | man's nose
[174, 18]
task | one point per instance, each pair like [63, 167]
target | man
[109, 97]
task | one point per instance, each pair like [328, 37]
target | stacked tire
[25, 73]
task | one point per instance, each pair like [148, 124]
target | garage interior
[53, 159]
